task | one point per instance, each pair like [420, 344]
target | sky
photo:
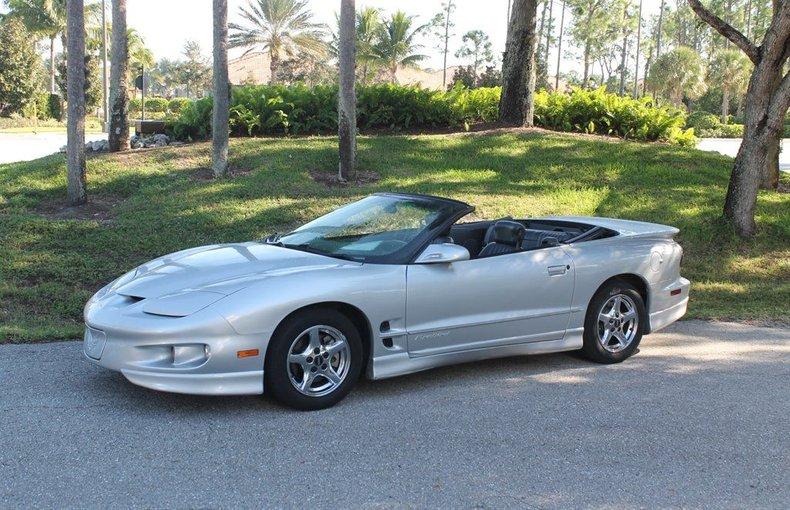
[166, 24]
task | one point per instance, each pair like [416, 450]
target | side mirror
[444, 253]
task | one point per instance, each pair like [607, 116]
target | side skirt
[401, 363]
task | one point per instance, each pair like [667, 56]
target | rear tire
[614, 323]
[314, 359]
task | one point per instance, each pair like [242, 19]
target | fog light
[189, 354]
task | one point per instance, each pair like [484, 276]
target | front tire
[614, 323]
[314, 359]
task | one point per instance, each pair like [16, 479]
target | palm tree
[730, 70]
[397, 44]
[367, 29]
[677, 74]
[279, 27]
[118, 134]
[221, 109]
[75, 129]
[46, 18]
[346, 107]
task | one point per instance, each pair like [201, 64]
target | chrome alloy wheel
[318, 361]
[618, 323]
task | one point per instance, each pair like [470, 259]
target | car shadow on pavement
[660, 355]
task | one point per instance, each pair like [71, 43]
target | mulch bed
[101, 209]
[331, 180]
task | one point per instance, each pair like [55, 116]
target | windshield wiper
[273, 239]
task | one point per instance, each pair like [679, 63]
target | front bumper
[234, 383]
[183, 355]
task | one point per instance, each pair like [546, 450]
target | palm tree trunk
[118, 135]
[274, 64]
[516, 105]
[75, 93]
[347, 108]
[52, 85]
[221, 109]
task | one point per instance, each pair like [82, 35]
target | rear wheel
[313, 360]
[614, 323]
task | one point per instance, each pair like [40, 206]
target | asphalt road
[698, 418]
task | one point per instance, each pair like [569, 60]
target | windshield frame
[414, 247]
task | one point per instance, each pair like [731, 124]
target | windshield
[376, 226]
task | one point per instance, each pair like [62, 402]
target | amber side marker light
[674, 292]
[247, 353]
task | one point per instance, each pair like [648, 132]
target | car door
[502, 300]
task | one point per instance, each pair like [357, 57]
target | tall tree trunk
[447, 42]
[586, 76]
[75, 94]
[221, 109]
[516, 105]
[559, 48]
[118, 135]
[347, 99]
[658, 30]
[638, 49]
[104, 92]
[52, 87]
[725, 105]
[549, 26]
[749, 19]
[767, 100]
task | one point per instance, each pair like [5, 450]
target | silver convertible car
[388, 285]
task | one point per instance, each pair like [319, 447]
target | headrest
[506, 232]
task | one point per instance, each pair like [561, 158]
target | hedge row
[159, 104]
[271, 110]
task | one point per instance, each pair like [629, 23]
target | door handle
[558, 270]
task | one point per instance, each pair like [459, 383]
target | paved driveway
[27, 146]
[698, 418]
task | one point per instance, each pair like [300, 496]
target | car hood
[221, 269]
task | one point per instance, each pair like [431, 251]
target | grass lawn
[146, 204]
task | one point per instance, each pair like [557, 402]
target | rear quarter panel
[655, 261]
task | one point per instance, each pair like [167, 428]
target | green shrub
[54, 107]
[596, 111]
[177, 104]
[723, 131]
[156, 104]
[135, 105]
[194, 122]
[703, 120]
[257, 110]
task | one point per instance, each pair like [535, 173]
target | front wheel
[313, 360]
[614, 323]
